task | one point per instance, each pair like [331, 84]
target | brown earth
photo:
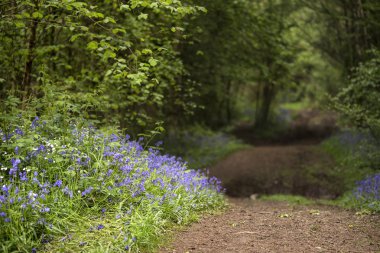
[291, 165]
[263, 226]
[294, 169]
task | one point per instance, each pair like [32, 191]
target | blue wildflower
[35, 122]
[87, 191]
[19, 131]
[58, 183]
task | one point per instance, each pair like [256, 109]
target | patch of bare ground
[293, 169]
[264, 226]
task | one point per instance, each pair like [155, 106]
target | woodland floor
[264, 226]
[251, 225]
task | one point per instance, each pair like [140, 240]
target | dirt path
[262, 226]
[290, 169]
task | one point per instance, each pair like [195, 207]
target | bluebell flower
[45, 210]
[87, 191]
[15, 163]
[99, 227]
[58, 183]
[23, 177]
[19, 131]
[35, 122]
[5, 189]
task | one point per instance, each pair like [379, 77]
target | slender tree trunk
[266, 103]
[228, 101]
[27, 80]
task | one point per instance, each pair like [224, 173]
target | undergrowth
[201, 147]
[357, 155]
[79, 189]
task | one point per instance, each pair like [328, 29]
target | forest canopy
[135, 63]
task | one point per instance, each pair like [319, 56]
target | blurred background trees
[138, 62]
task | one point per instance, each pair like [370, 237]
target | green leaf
[153, 62]
[75, 36]
[109, 54]
[92, 45]
[125, 7]
[118, 30]
[173, 29]
[19, 24]
[109, 20]
[142, 16]
[37, 15]
[146, 51]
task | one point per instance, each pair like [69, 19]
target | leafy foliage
[117, 61]
[359, 101]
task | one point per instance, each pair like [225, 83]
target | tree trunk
[27, 80]
[267, 99]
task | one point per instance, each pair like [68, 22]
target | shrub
[84, 189]
[359, 101]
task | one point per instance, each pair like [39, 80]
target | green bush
[359, 101]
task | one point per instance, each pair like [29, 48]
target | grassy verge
[80, 189]
[291, 199]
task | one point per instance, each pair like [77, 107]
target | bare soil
[293, 169]
[263, 226]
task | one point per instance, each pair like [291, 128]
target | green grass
[291, 199]
[295, 106]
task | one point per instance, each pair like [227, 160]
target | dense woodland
[142, 67]
[135, 63]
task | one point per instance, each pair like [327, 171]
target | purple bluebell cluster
[368, 189]
[354, 140]
[89, 170]
[367, 193]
